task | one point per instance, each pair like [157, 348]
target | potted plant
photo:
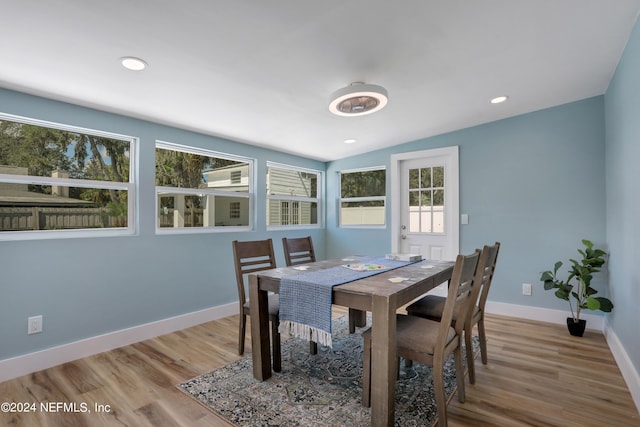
[581, 273]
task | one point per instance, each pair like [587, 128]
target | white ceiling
[261, 72]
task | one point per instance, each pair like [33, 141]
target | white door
[425, 203]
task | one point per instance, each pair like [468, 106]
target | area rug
[315, 390]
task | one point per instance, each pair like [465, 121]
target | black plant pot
[576, 328]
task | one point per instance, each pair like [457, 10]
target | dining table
[381, 294]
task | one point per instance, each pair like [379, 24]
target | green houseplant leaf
[577, 287]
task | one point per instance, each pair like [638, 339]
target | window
[200, 190]
[426, 200]
[295, 212]
[284, 213]
[234, 210]
[293, 196]
[362, 197]
[64, 181]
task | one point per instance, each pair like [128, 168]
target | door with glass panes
[426, 220]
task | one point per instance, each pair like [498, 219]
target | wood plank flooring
[537, 375]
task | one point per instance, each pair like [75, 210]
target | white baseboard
[543, 314]
[629, 373]
[43, 359]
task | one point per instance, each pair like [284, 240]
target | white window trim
[130, 187]
[205, 191]
[360, 199]
[318, 200]
[201, 151]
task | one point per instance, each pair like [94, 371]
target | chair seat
[416, 334]
[274, 305]
[431, 307]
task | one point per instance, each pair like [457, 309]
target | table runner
[306, 298]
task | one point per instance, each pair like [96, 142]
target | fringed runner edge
[306, 332]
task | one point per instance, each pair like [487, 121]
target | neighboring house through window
[293, 196]
[199, 190]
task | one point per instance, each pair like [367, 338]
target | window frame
[282, 198]
[249, 195]
[361, 199]
[130, 187]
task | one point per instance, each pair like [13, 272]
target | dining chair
[432, 306]
[250, 257]
[298, 250]
[429, 342]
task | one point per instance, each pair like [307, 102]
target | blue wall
[533, 182]
[90, 286]
[622, 111]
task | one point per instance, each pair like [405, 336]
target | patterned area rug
[315, 390]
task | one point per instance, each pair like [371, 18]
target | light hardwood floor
[537, 375]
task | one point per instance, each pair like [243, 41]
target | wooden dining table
[376, 294]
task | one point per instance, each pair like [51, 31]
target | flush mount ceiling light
[358, 99]
[499, 99]
[350, 141]
[133, 64]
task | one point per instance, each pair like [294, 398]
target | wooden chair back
[489, 270]
[482, 277]
[249, 257]
[459, 298]
[298, 250]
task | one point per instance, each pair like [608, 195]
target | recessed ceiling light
[134, 64]
[499, 99]
[358, 99]
[349, 141]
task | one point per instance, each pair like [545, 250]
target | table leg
[383, 361]
[259, 314]
[356, 318]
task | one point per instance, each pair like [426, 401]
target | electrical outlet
[34, 325]
[526, 289]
